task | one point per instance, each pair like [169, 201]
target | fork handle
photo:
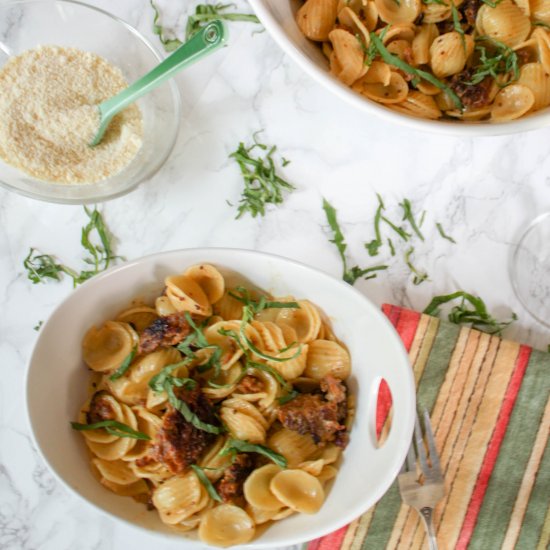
[426, 515]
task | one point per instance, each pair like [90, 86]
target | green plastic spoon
[207, 40]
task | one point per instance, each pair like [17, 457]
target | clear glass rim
[514, 260]
[161, 159]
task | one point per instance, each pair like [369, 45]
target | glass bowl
[530, 269]
[26, 24]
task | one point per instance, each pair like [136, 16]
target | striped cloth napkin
[490, 409]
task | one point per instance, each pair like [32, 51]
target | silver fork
[422, 496]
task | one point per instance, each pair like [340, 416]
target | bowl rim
[176, 97]
[346, 517]
[532, 122]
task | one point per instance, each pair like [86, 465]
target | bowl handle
[403, 395]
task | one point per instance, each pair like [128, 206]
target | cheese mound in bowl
[60, 60]
[49, 115]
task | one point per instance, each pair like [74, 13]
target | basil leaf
[189, 416]
[238, 446]
[124, 366]
[113, 427]
[203, 478]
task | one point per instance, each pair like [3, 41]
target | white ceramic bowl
[56, 385]
[278, 17]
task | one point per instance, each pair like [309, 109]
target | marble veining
[483, 191]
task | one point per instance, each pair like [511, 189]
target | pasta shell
[403, 31]
[209, 279]
[139, 317]
[316, 18]
[164, 306]
[436, 13]
[101, 436]
[294, 447]
[512, 102]
[402, 49]
[371, 15]
[186, 295]
[229, 308]
[422, 42]
[260, 516]
[213, 463]
[246, 407]
[256, 488]
[179, 497]
[148, 424]
[227, 378]
[226, 525]
[537, 80]
[524, 6]
[271, 336]
[155, 472]
[391, 12]
[349, 57]
[543, 45]
[305, 320]
[105, 349]
[131, 490]
[292, 367]
[116, 471]
[118, 448]
[327, 473]
[395, 92]
[325, 357]
[419, 105]
[242, 426]
[540, 10]
[505, 22]
[448, 53]
[298, 490]
[231, 350]
[351, 21]
[133, 387]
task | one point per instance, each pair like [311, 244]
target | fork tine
[411, 459]
[434, 457]
[420, 452]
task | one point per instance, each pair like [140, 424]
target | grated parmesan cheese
[48, 115]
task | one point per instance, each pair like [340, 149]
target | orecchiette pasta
[223, 408]
[438, 59]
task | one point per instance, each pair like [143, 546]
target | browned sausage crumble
[179, 443]
[164, 331]
[321, 416]
[230, 486]
[100, 408]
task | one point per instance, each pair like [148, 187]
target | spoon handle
[207, 40]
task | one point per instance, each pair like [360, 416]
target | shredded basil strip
[125, 365]
[400, 64]
[113, 427]
[238, 446]
[376, 243]
[189, 416]
[443, 234]
[270, 370]
[157, 382]
[408, 216]
[203, 478]
[478, 317]
[262, 303]
[419, 277]
[288, 397]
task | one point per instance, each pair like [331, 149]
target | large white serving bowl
[57, 379]
[278, 17]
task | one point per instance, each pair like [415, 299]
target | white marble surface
[484, 192]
